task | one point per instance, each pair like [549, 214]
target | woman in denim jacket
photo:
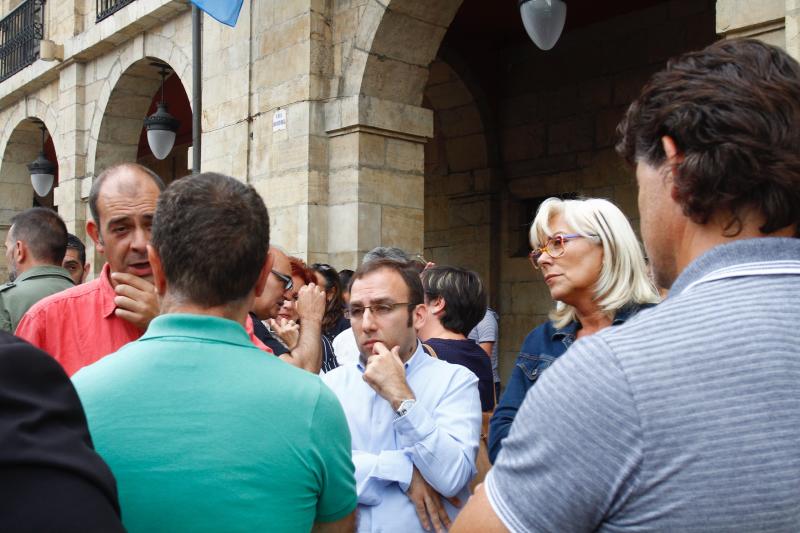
[595, 269]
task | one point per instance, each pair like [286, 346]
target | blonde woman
[595, 270]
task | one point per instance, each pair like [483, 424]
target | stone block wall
[557, 119]
[458, 195]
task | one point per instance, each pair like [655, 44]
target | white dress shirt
[346, 348]
[439, 435]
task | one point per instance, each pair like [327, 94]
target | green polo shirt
[205, 432]
[17, 296]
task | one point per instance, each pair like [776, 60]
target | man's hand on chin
[386, 374]
[136, 299]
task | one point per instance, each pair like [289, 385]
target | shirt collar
[198, 327]
[762, 249]
[43, 270]
[570, 330]
[107, 293]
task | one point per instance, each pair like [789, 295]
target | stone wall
[458, 176]
[558, 119]
[382, 144]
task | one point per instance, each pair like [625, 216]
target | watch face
[405, 405]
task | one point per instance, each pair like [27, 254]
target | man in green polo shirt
[204, 431]
[35, 246]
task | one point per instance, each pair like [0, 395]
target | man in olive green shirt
[35, 247]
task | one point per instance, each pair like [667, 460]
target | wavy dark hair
[733, 110]
[334, 308]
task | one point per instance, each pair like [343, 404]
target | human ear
[159, 278]
[94, 232]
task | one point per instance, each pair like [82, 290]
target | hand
[136, 299]
[287, 330]
[428, 503]
[386, 374]
[310, 303]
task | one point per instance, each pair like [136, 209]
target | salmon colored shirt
[78, 326]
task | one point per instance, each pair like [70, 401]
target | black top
[260, 330]
[51, 479]
[340, 325]
[467, 353]
[263, 334]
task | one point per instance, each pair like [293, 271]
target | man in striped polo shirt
[688, 416]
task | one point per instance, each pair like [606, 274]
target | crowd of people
[206, 380]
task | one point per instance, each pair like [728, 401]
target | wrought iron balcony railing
[20, 33]
[106, 8]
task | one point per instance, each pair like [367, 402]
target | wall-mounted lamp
[161, 126]
[42, 169]
[543, 20]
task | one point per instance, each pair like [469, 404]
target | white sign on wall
[279, 120]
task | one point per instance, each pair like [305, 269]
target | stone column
[376, 176]
[763, 20]
[793, 28]
[73, 133]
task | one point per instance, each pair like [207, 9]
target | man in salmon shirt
[82, 324]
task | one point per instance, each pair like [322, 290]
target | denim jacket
[541, 347]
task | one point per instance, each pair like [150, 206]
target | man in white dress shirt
[415, 420]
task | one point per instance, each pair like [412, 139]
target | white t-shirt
[345, 347]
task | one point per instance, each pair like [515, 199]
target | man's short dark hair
[463, 295]
[74, 243]
[212, 234]
[733, 110]
[405, 270]
[43, 231]
[386, 252]
[94, 193]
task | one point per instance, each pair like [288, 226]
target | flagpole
[197, 85]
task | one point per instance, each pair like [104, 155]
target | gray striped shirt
[686, 418]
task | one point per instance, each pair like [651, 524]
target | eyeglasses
[554, 247]
[287, 280]
[356, 312]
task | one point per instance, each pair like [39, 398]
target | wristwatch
[405, 406]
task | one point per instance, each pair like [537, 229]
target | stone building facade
[402, 128]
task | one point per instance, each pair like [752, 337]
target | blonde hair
[623, 276]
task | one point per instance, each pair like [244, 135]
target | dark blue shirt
[541, 347]
[467, 353]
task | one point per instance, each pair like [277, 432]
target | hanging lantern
[543, 20]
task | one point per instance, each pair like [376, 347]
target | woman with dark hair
[288, 315]
[334, 321]
[345, 275]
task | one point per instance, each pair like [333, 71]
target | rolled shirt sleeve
[443, 447]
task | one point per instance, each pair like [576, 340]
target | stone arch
[460, 170]
[33, 108]
[117, 137]
[153, 48]
[393, 47]
[21, 145]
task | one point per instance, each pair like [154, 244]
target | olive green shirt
[17, 296]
